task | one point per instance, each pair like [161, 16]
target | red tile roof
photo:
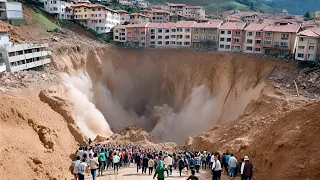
[160, 11]
[313, 32]
[120, 26]
[154, 25]
[166, 25]
[255, 27]
[232, 18]
[144, 24]
[291, 28]
[216, 24]
[233, 26]
[138, 14]
[194, 7]
[171, 4]
[87, 5]
[184, 24]
[122, 11]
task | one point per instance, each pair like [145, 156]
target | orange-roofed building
[195, 12]
[160, 16]
[136, 18]
[253, 41]
[280, 40]
[231, 36]
[120, 35]
[136, 34]
[124, 16]
[162, 33]
[308, 43]
[205, 35]
[183, 30]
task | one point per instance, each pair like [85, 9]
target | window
[159, 30]
[221, 46]
[268, 34]
[187, 30]
[237, 48]
[211, 37]
[257, 49]
[179, 29]
[186, 43]
[221, 39]
[284, 36]
[167, 30]
[187, 36]
[302, 39]
[179, 43]
[152, 31]
[258, 42]
[223, 32]
[311, 47]
[229, 32]
[282, 53]
[238, 32]
[203, 30]
[267, 42]
[301, 47]
[250, 34]
[196, 37]
[300, 55]
[159, 37]
[228, 39]
[159, 42]
[179, 36]
[204, 37]
[173, 42]
[173, 30]
[249, 48]
[236, 40]
[152, 37]
[310, 56]
[167, 37]
[167, 42]
[173, 36]
[249, 41]
[228, 47]
[283, 44]
[258, 33]
[196, 30]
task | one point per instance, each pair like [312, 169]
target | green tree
[308, 15]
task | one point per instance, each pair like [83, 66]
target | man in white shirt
[170, 162]
[82, 168]
[216, 169]
[116, 160]
[75, 167]
[233, 163]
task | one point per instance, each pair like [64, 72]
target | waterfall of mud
[173, 94]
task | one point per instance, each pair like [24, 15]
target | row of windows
[205, 37]
[26, 51]
[250, 48]
[172, 36]
[171, 42]
[25, 61]
[310, 56]
[168, 30]
[236, 48]
[204, 30]
[310, 47]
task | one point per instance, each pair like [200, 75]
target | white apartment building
[253, 41]
[113, 19]
[59, 8]
[183, 30]
[119, 34]
[141, 3]
[97, 20]
[195, 12]
[11, 11]
[124, 16]
[4, 39]
[126, 2]
[24, 56]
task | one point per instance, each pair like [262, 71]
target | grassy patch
[41, 19]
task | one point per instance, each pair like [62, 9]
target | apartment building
[141, 3]
[113, 19]
[124, 16]
[11, 12]
[81, 13]
[59, 8]
[164, 35]
[253, 41]
[137, 18]
[183, 30]
[249, 17]
[195, 12]
[153, 34]
[97, 18]
[178, 9]
[126, 2]
[120, 35]
[137, 34]
[205, 35]
[231, 36]
[308, 42]
[280, 40]
[24, 56]
[4, 39]
[160, 16]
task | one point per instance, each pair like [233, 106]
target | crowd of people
[96, 159]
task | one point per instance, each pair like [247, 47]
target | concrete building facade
[231, 36]
[253, 41]
[59, 8]
[308, 42]
[11, 12]
[205, 35]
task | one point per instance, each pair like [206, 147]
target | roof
[255, 27]
[171, 4]
[208, 24]
[87, 5]
[233, 26]
[154, 25]
[144, 24]
[115, 11]
[138, 14]
[203, 19]
[120, 26]
[166, 25]
[195, 7]
[122, 11]
[242, 14]
[184, 24]
[232, 18]
[160, 11]
[313, 32]
[309, 23]
[291, 28]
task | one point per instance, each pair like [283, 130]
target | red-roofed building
[136, 18]
[231, 36]
[124, 16]
[160, 35]
[308, 43]
[205, 35]
[183, 31]
[59, 8]
[120, 34]
[136, 34]
[253, 41]
[280, 40]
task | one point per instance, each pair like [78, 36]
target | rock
[301, 166]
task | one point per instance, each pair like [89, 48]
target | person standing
[197, 163]
[193, 176]
[102, 160]
[93, 165]
[170, 163]
[216, 169]
[226, 162]
[247, 169]
[241, 168]
[138, 161]
[116, 160]
[150, 165]
[145, 162]
[82, 168]
[75, 168]
[181, 165]
[233, 163]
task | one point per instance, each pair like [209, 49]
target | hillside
[292, 6]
